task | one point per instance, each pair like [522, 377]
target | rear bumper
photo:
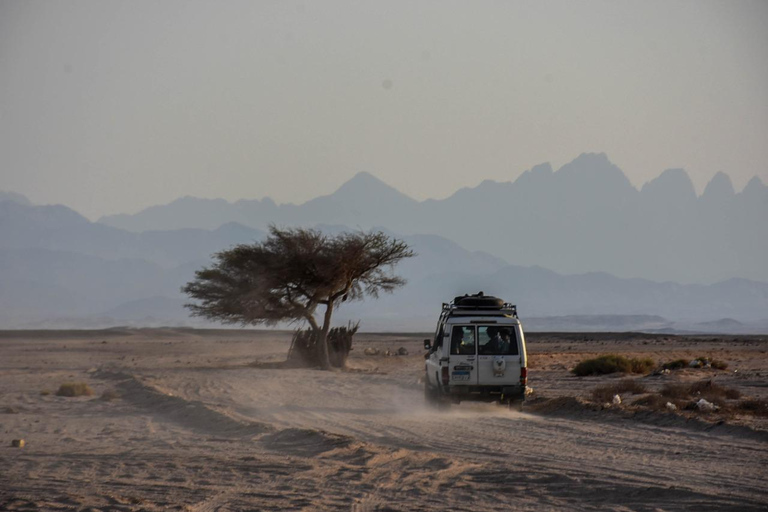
[487, 393]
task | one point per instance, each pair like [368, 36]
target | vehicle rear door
[499, 358]
[462, 367]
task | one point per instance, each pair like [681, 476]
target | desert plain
[205, 420]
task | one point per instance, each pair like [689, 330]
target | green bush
[612, 363]
[74, 389]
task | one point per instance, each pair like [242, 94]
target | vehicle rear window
[463, 340]
[495, 340]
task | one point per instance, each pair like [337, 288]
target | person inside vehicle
[496, 344]
[463, 341]
[505, 341]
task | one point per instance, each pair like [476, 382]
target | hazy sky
[113, 106]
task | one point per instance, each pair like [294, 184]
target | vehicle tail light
[523, 376]
[445, 375]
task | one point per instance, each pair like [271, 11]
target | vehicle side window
[497, 341]
[438, 343]
[463, 340]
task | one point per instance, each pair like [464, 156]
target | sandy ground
[199, 427]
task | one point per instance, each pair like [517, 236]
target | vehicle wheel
[434, 399]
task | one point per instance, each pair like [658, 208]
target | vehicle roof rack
[478, 303]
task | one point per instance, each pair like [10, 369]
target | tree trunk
[325, 360]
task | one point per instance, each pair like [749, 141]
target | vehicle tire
[434, 399]
[516, 405]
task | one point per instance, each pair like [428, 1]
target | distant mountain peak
[545, 168]
[537, 174]
[364, 184]
[592, 167]
[592, 158]
[673, 184]
[13, 196]
[719, 187]
[755, 183]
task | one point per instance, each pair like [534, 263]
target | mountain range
[58, 269]
[584, 217]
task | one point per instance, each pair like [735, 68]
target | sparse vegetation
[707, 389]
[291, 274]
[71, 389]
[110, 394]
[699, 362]
[718, 365]
[753, 406]
[45, 392]
[657, 402]
[606, 392]
[677, 364]
[612, 363]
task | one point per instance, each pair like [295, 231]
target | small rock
[18, 443]
[616, 400]
[528, 391]
[402, 351]
[705, 406]
[671, 407]
[371, 351]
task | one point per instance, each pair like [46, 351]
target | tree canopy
[288, 275]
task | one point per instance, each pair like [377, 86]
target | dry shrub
[753, 406]
[612, 363]
[605, 393]
[109, 394]
[677, 364]
[657, 402]
[676, 391]
[45, 392]
[714, 363]
[707, 389]
[74, 389]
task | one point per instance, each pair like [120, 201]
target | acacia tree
[287, 276]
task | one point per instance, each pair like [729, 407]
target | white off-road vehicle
[478, 354]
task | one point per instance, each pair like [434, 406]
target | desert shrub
[676, 391]
[657, 402]
[612, 363]
[677, 364]
[605, 393]
[109, 395]
[706, 389]
[45, 392]
[714, 363]
[305, 349]
[754, 406]
[718, 365]
[74, 389]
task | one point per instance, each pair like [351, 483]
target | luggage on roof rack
[479, 302]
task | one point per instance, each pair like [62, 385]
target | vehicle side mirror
[427, 345]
